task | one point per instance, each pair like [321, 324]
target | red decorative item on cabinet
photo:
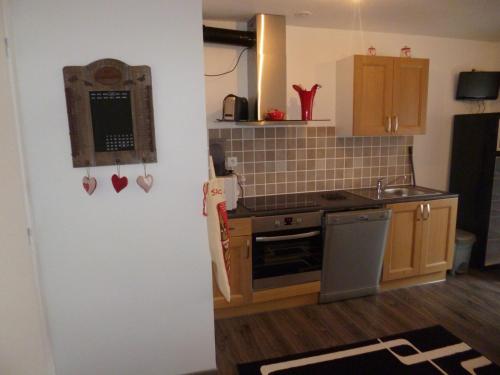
[406, 51]
[306, 100]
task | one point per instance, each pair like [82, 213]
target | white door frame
[24, 344]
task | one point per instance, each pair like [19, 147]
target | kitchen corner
[322, 213]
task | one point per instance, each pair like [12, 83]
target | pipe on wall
[228, 36]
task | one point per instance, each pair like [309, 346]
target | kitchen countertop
[349, 201]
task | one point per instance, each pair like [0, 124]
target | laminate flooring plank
[466, 305]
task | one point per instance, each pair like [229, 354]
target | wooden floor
[466, 305]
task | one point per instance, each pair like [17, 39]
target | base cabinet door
[421, 238]
[438, 244]
[240, 274]
[404, 241]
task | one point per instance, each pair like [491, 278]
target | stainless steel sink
[405, 191]
[394, 192]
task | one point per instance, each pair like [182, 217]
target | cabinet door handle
[248, 249]
[388, 129]
[396, 123]
[428, 206]
[421, 211]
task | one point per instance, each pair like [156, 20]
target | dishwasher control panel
[361, 216]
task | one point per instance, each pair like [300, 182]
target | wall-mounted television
[478, 85]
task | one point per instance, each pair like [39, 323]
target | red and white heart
[119, 183]
[89, 184]
[145, 182]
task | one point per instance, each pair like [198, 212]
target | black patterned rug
[431, 350]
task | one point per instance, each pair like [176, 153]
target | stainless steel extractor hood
[267, 66]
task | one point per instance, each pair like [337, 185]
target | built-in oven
[287, 249]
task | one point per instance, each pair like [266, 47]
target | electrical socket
[231, 162]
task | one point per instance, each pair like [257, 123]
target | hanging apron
[214, 207]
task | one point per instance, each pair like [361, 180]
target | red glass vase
[306, 100]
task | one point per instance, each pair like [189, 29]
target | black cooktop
[333, 196]
[289, 201]
[330, 201]
[280, 202]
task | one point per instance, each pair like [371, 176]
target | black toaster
[235, 108]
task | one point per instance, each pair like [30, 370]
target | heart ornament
[119, 183]
[89, 184]
[145, 182]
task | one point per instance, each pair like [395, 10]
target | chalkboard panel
[110, 113]
[112, 124]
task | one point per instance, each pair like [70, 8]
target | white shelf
[218, 124]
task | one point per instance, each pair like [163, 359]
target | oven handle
[288, 237]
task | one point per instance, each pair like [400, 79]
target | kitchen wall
[125, 278]
[311, 57]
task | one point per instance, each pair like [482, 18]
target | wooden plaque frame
[109, 75]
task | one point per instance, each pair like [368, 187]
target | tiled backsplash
[298, 159]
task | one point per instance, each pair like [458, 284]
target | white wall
[311, 57]
[220, 58]
[126, 277]
[24, 347]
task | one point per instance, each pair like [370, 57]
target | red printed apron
[214, 207]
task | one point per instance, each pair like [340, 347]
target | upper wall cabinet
[378, 95]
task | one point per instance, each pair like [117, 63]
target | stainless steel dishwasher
[353, 251]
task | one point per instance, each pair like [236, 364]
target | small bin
[463, 247]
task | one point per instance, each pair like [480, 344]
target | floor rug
[431, 350]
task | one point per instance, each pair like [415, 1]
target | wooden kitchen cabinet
[409, 96]
[379, 95]
[241, 266]
[421, 238]
[404, 242]
[373, 77]
[438, 237]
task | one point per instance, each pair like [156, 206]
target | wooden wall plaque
[110, 113]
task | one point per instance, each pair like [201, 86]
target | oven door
[286, 257]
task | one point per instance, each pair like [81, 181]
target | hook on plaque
[117, 163]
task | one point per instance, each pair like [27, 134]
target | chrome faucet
[380, 186]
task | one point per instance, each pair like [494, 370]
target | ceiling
[467, 19]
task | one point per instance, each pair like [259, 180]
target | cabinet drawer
[240, 227]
